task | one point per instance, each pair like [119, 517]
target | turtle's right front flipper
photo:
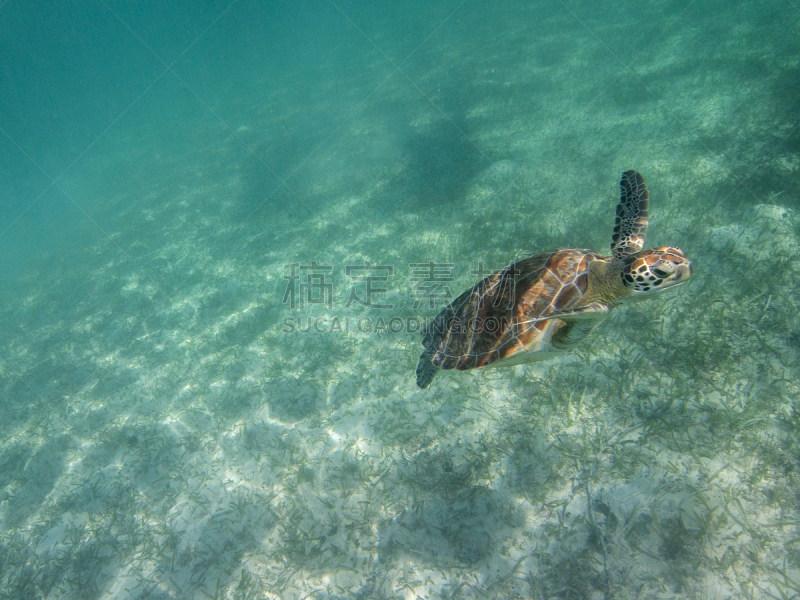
[578, 323]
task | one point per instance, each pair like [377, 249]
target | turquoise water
[185, 415]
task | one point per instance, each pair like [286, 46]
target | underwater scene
[225, 226]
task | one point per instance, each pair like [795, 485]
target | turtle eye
[660, 273]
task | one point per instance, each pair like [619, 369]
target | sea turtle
[550, 301]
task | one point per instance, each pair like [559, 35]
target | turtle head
[655, 270]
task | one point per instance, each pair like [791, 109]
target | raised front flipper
[631, 223]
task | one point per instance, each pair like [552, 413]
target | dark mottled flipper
[631, 224]
[425, 371]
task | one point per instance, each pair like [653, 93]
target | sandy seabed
[165, 436]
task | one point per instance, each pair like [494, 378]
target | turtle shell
[496, 319]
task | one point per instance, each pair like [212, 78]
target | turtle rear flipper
[425, 371]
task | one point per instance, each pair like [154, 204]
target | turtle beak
[683, 272]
